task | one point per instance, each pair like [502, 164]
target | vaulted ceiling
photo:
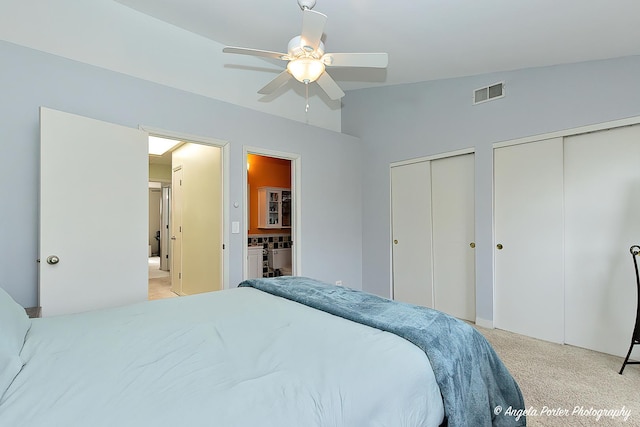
[426, 39]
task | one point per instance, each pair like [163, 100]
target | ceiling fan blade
[312, 28]
[274, 84]
[255, 52]
[330, 86]
[374, 60]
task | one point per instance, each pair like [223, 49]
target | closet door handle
[472, 245]
[499, 246]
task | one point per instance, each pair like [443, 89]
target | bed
[275, 352]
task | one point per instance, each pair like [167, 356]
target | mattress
[239, 357]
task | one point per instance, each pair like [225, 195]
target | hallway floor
[159, 281]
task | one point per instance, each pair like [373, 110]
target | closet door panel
[528, 193]
[411, 233]
[602, 206]
[452, 193]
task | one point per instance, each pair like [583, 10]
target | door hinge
[179, 275]
[223, 247]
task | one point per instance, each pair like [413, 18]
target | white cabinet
[274, 207]
[254, 262]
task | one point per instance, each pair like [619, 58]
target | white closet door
[528, 227]
[452, 194]
[411, 229]
[94, 214]
[602, 206]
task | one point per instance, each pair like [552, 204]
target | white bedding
[238, 357]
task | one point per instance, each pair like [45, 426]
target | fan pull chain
[306, 93]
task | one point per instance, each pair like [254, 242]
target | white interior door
[176, 231]
[411, 229]
[602, 201]
[93, 214]
[452, 194]
[528, 191]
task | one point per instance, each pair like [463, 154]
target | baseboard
[484, 323]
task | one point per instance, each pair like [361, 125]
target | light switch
[235, 227]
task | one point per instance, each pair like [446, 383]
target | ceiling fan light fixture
[306, 58]
[306, 70]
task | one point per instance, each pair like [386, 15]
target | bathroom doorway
[271, 215]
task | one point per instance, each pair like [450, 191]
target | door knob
[395, 242]
[52, 259]
[472, 244]
[499, 246]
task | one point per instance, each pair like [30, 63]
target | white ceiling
[425, 39]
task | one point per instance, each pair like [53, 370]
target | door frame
[296, 234]
[630, 121]
[225, 151]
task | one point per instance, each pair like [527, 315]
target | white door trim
[226, 150]
[296, 194]
[434, 157]
[570, 132]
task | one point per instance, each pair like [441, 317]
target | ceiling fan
[307, 59]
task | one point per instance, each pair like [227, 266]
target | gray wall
[330, 162]
[408, 121]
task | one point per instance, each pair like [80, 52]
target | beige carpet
[159, 281]
[160, 288]
[569, 386]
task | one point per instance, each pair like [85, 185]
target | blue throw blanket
[472, 379]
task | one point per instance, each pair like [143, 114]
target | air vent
[488, 93]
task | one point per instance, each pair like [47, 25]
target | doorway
[271, 243]
[186, 250]
[159, 233]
